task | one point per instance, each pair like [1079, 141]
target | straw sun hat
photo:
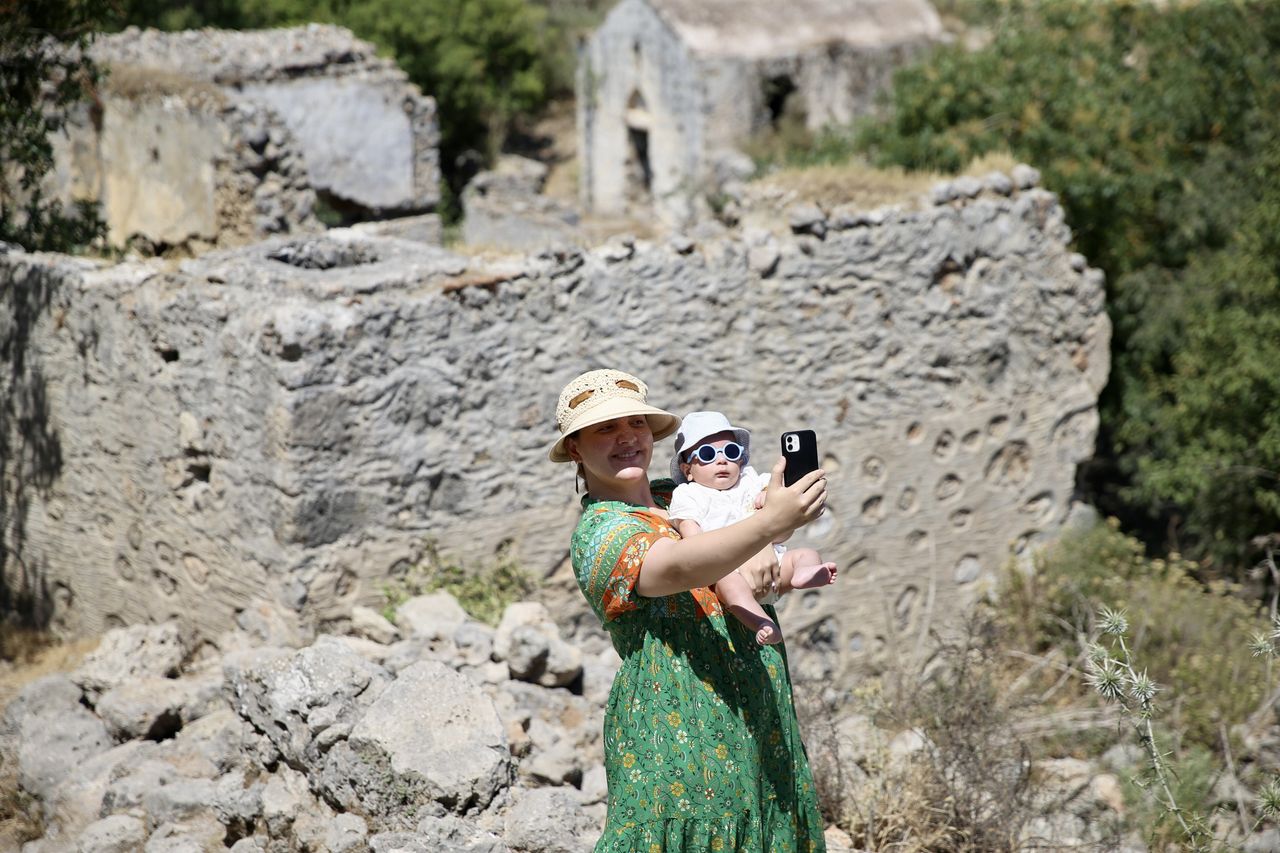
[602, 395]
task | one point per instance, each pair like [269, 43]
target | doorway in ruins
[639, 171]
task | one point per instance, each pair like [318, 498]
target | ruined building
[669, 88]
[210, 138]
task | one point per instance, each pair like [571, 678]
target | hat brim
[661, 424]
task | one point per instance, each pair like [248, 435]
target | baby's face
[721, 473]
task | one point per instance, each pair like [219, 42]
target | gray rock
[118, 833]
[214, 744]
[997, 182]
[399, 842]
[763, 259]
[294, 697]
[430, 738]
[198, 835]
[1123, 756]
[474, 643]
[943, 192]
[372, 625]
[807, 218]
[82, 799]
[681, 244]
[367, 649]
[431, 617]
[285, 796]
[457, 835]
[529, 641]
[248, 845]
[595, 785]
[347, 833]
[966, 186]
[51, 734]
[1025, 177]
[126, 654]
[129, 789]
[179, 800]
[1265, 841]
[548, 820]
[269, 624]
[155, 708]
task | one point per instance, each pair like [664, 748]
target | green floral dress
[702, 749]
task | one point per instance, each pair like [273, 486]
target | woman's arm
[677, 565]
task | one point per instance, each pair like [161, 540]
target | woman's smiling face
[616, 451]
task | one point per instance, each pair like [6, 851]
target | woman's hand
[791, 507]
[762, 571]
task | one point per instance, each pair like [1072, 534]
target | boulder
[372, 625]
[430, 738]
[155, 708]
[431, 617]
[549, 820]
[529, 641]
[118, 833]
[126, 654]
[303, 700]
[50, 734]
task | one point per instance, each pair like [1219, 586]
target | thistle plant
[1115, 677]
[1117, 680]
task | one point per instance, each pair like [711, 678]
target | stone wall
[219, 138]
[295, 418]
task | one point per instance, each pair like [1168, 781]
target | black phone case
[802, 458]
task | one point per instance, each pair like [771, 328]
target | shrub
[1156, 124]
[1178, 625]
[43, 74]
[483, 592]
[965, 789]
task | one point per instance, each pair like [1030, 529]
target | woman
[702, 750]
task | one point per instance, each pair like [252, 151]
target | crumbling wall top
[228, 57]
[750, 28]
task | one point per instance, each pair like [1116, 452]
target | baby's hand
[760, 501]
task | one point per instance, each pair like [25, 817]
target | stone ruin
[211, 138]
[298, 418]
[668, 90]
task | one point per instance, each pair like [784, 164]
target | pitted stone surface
[295, 418]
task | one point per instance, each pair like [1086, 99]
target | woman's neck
[635, 492]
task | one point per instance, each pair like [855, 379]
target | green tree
[1152, 125]
[1209, 433]
[43, 73]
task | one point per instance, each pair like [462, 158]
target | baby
[714, 487]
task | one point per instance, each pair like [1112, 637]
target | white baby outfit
[715, 508]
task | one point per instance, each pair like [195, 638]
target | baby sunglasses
[706, 454]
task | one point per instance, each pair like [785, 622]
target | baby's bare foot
[808, 577]
[769, 634]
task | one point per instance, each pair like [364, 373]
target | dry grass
[26, 655]
[133, 81]
[860, 184]
[963, 788]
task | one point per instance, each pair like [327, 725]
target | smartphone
[800, 448]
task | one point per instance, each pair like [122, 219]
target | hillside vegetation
[1160, 129]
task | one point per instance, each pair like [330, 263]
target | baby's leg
[735, 594]
[802, 568]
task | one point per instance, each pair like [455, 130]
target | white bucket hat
[602, 395]
[695, 427]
